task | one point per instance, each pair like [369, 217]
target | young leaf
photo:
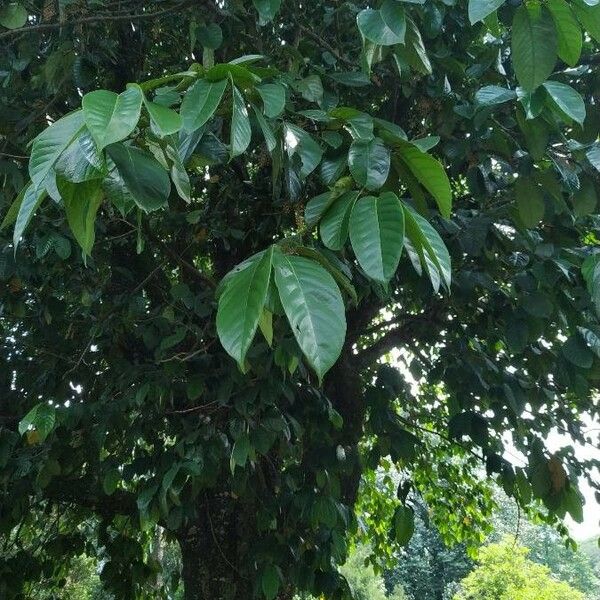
[111, 117]
[334, 224]
[377, 235]
[200, 103]
[534, 45]
[241, 305]
[240, 124]
[81, 201]
[145, 178]
[313, 305]
[369, 163]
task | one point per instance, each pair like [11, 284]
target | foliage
[505, 573]
[206, 265]
[365, 584]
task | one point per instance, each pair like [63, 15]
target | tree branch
[324, 44]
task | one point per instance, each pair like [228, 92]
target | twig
[325, 44]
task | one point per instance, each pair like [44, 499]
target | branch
[324, 44]
[97, 19]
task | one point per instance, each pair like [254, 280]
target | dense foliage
[221, 218]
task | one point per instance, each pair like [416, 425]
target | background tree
[419, 176]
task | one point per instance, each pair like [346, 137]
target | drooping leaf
[269, 582]
[32, 198]
[334, 224]
[111, 117]
[200, 103]
[273, 97]
[268, 134]
[404, 524]
[298, 142]
[568, 31]
[81, 201]
[165, 121]
[534, 45]
[314, 308]
[145, 178]
[241, 132]
[369, 163]
[567, 99]
[377, 235]
[530, 201]
[241, 305]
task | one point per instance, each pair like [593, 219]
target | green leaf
[430, 174]
[13, 15]
[589, 17]
[377, 235]
[111, 481]
[530, 201]
[273, 97]
[534, 45]
[491, 95]
[568, 31]
[200, 103]
[240, 451]
[480, 9]
[575, 350]
[11, 214]
[297, 141]
[590, 270]
[40, 419]
[210, 36]
[429, 246]
[567, 99]
[375, 29]
[334, 224]
[50, 144]
[593, 155]
[311, 88]
[269, 582]
[267, 9]
[392, 13]
[179, 175]
[404, 524]
[145, 178]
[265, 324]
[32, 198]
[81, 201]
[350, 78]
[241, 131]
[268, 134]
[585, 198]
[165, 121]
[574, 504]
[369, 163]
[241, 305]
[316, 207]
[313, 305]
[112, 117]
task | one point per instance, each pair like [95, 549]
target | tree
[505, 573]
[347, 179]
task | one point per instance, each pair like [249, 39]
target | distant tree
[505, 573]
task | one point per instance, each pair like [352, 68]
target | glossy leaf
[373, 27]
[568, 31]
[589, 17]
[334, 224]
[111, 117]
[298, 142]
[377, 235]
[567, 99]
[200, 103]
[40, 421]
[491, 95]
[273, 97]
[32, 198]
[369, 163]
[314, 308]
[165, 121]
[240, 125]
[267, 132]
[241, 305]
[145, 178]
[534, 45]
[480, 9]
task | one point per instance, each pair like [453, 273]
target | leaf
[240, 124]
[568, 31]
[593, 155]
[81, 201]
[179, 175]
[32, 198]
[210, 36]
[534, 45]
[480, 9]
[316, 208]
[334, 224]
[297, 141]
[112, 117]
[13, 15]
[404, 524]
[273, 97]
[585, 198]
[111, 481]
[144, 177]
[429, 246]
[11, 214]
[491, 95]
[165, 121]
[200, 103]
[267, 9]
[375, 29]
[269, 582]
[241, 306]
[311, 88]
[265, 324]
[392, 13]
[377, 235]
[240, 451]
[268, 134]
[575, 350]
[567, 99]
[589, 17]
[50, 144]
[430, 174]
[41, 419]
[350, 78]
[530, 201]
[313, 305]
[369, 163]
